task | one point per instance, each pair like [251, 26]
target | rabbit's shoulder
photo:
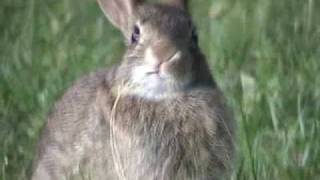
[77, 104]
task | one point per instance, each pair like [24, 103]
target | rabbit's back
[69, 129]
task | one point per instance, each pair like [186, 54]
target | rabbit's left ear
[120, 12]
[183, 4]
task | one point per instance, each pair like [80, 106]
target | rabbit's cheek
[170, 66]
[166, 71]
[176, 68]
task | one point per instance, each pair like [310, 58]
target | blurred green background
[265, 54]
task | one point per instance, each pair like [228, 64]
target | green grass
[265, 54]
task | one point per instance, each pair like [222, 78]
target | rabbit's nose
[162, 67]
[163, 51]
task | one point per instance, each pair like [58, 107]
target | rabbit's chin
[155, 86]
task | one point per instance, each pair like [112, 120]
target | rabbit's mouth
[157, 77]
[156, 71]
[152, 83]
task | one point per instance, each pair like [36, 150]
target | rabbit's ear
[183, 4]
[120, 12]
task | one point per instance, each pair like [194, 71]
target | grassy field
[265, 54]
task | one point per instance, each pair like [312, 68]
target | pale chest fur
[155, 139]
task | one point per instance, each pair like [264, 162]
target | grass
[265, 54]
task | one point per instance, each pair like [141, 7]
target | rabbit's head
[163, 57]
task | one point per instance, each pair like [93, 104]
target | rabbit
[158, 115]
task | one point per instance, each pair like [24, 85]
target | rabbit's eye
[194, 36]
[135, 35]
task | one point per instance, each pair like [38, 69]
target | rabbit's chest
[153, 137]
[155, 129]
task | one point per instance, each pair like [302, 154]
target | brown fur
[101, 130]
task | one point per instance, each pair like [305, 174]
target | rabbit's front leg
[53, 164]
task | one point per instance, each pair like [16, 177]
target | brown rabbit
[159, 115]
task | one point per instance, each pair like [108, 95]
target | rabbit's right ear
[120, 12]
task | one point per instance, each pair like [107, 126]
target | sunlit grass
[264, 54]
